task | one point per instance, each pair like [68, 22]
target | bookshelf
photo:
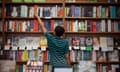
[64, 18]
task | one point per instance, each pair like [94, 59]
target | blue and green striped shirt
[58, 47]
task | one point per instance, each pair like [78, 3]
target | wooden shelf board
[28, 18]
[24, 33]
[105, 62]
[21, 62]
[34, 3]
[90, 3]
[99, 33]
[91, 18]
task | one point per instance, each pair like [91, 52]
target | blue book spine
[115, 26]
[77, 11]
[31, 25]
[112, 11]
[21, 68]
[47, 24]
[48, 56]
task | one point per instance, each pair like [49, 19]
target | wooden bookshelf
[107, 62]
[64, 18]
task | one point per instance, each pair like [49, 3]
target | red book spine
[52, 25]
[35, 28]
[94, 27]
[45, 58]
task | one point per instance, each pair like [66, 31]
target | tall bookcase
[80, 18]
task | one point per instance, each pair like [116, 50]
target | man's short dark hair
[59, 31]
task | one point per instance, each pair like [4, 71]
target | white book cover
[103, 25]
[85, 25]
[10, 25]
[41, 11]
[24, 27]
[22, 11]
[53, 11]
[87, 66]
[94, 11]
[26, 11]
[75, 28]
[96, 43]
[31, 12]
[79, 26]
[110, 43]
[103, 43]
[109, 25]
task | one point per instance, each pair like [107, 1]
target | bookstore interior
[92, 28]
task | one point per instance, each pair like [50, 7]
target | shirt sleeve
[67, 48]
[48, 35]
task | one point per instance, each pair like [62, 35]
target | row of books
[26, 55]
[92, 11]
[28, 11]
[108, 68]
[108, 1]
[93, 43]
[25, 68]
[84, 66]
[100, 56]
[28, 42]
[30, 26]
[92, 26]
[57, 11]
[89, 66]
[31, 0]
[82, 43]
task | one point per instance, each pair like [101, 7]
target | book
[96, 43]
[25, 55]
[110, 43]
[118, 11]
[103, 43]
[88, 12]
[112, 11]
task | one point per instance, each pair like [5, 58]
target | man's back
[58, 47]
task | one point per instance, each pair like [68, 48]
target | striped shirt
[58, 47]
